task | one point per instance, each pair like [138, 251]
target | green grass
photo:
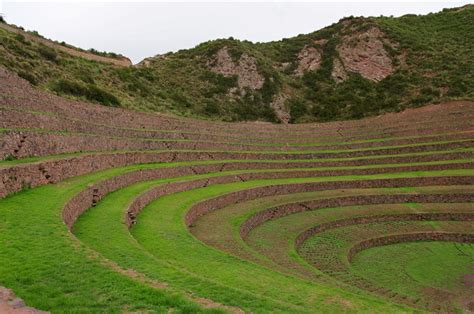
[276, 237]
[45, 258]
[328, 251]
[274, 240]
[161, 232]
[439, 265]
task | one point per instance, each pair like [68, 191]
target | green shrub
[103, 53]
[220, 84]
[298, 109]
[48, 53]
[10, 157]
[68, 87]
[90, 92]
[22, 39]
[458, 87]
[211, 108]
[16, 48]
[179, 99]
[236, 52]
[251, 108]
[324, 112]
[270, 88]
[30, 77]
[85, 77]
[94, 93]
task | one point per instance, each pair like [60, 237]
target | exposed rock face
[278, 105]
[148, 62]
[284, 66]
[364, 53]
[144, 63]
[338, 72]
[246, 69]
[320, 42]
[309, 59]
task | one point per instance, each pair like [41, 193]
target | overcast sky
[143, 29]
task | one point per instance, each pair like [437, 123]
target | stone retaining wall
[410, 237]
[16, 178]
[457, 198]
[94, 193]
[12, 118]
[216, 203]
[24, 144]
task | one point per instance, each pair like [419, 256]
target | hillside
[355, 68]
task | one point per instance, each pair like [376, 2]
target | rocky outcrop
[338, 73]
[309, 59]
[278, 105]
[245, 69]
[148, 62]
[360, 51]
[365, 52]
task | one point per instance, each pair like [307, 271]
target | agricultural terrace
[108, 210]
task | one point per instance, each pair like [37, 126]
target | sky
[144, 29]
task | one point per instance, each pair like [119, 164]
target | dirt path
[10, 304]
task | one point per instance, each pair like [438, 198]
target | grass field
[411, 267]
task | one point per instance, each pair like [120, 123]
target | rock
[338, 73]
[284, 66]
[364, 52]
[320, 42]
[309, 59]
[246, 69]
[278, 105]
[10, 304]
[16, 303]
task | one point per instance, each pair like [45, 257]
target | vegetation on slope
[412, 61]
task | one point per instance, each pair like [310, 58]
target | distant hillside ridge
[115, 60]
[355, 68]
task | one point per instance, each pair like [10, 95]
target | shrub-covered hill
[354, 68]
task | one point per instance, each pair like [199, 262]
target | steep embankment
[354, 68]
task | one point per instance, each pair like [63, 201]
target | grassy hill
[354, 68]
